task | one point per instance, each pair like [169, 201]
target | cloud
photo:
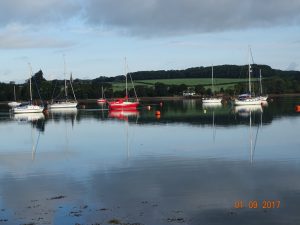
[152, 17]
[37, 12]
[173, 17]
[15, 36]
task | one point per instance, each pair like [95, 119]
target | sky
[94, 36]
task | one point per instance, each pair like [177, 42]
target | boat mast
[15, 93]
[72, 87]
[212, 79]
[126, 78]
[249, 70]
[30, 91]
[260, 85]
[66, 94]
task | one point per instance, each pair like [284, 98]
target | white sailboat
[66, 103]
[212, 100]
[14, 103]
[101, 100]
[28, 107]
[248, 99]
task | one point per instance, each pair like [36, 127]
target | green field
[190, 82]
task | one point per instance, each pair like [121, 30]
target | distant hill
[221, 71]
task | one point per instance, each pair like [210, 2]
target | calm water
[192, 165]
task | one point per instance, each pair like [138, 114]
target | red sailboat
[124, 103]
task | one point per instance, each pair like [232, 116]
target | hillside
[221, 71]
[229, 80]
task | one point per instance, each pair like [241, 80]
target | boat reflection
[123, 114]
[63, 111]
[246, 110]
[253, 138]
[211, 105]
[27, 117]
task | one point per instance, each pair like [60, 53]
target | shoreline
[166, 98]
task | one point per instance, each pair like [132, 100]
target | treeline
[275, 82]
[222, 71]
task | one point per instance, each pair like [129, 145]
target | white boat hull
[250, 101]
[28, 109]
[62, 105]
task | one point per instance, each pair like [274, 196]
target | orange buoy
[297, 108]
[157, 113]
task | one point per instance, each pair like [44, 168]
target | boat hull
[101, 100]
[63, 105]
[28, 109]
[250, 101]
[123, 105]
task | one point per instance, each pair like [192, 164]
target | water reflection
[212, 105]
[92, 165]
[123, 114]
[27, 117]
[63, 111]
[245, 110]
[190, 112]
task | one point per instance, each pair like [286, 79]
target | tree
[199, 89]
[160, 89]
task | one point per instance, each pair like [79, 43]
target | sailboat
[262, 97]
[66, 103]
[248, 99]
[124, 103]
[14, 103]
[212, 100]
[102, 99]
[28, 107]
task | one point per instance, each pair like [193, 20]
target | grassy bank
[219, 83]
